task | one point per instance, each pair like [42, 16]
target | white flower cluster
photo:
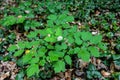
[59, 38]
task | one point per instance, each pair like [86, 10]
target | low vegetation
[78, 39]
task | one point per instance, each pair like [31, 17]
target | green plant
[48, 43]
[116, 75]
[92, 72]
[116, 59]
[5, 40]
[56, 44]
[11, 20]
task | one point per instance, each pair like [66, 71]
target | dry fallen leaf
[105, 74]
[68, 75]
[102, 66]
[98, 61]
[79, 73]
[117, 67]
[112, 67]
[82, 64]
[5, 75]
[8, 69]
[78, 79]
[97, 13]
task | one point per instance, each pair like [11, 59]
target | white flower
[27, 11]
[59, 38]
[20, 16]
[94, 33]
[49, 35]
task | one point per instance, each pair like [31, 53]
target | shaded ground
[105, 67]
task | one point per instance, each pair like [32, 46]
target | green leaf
[32, 34]
[102, 46]
[70, 39]
[31, 15]
[50, 46]
[20, 20]
[26, 58]
[51, 10]
[43, 32]
[50, 23]
[19, 62]
[8, 21]
[58, 47]
[65, 25]
[41, 51]
[62, 17]
[21, 44]
[78, 41]
[96, 39]
[33, 69]
[94, 51]
[117, 62]
[18, 53]
[27, 3]
[76, 50]
[52, 17]
[68, 59]
[69, 18]
[49, 30]
[42, 62]
[64, 46]
[58, 32]
[12, 48]
[91, 67]
[19, 76]
[59, 66]
[35, 43]
[85, 44]
[116, 57]
[93, 72]
[50, 38]
[27, 44]
[34, 24]
[53, 56]
[60, 54]
[71, 51]
[34, 60]
[31, 24]
[86, 36]
[33, 50]
[27, 25]
[84, 55]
